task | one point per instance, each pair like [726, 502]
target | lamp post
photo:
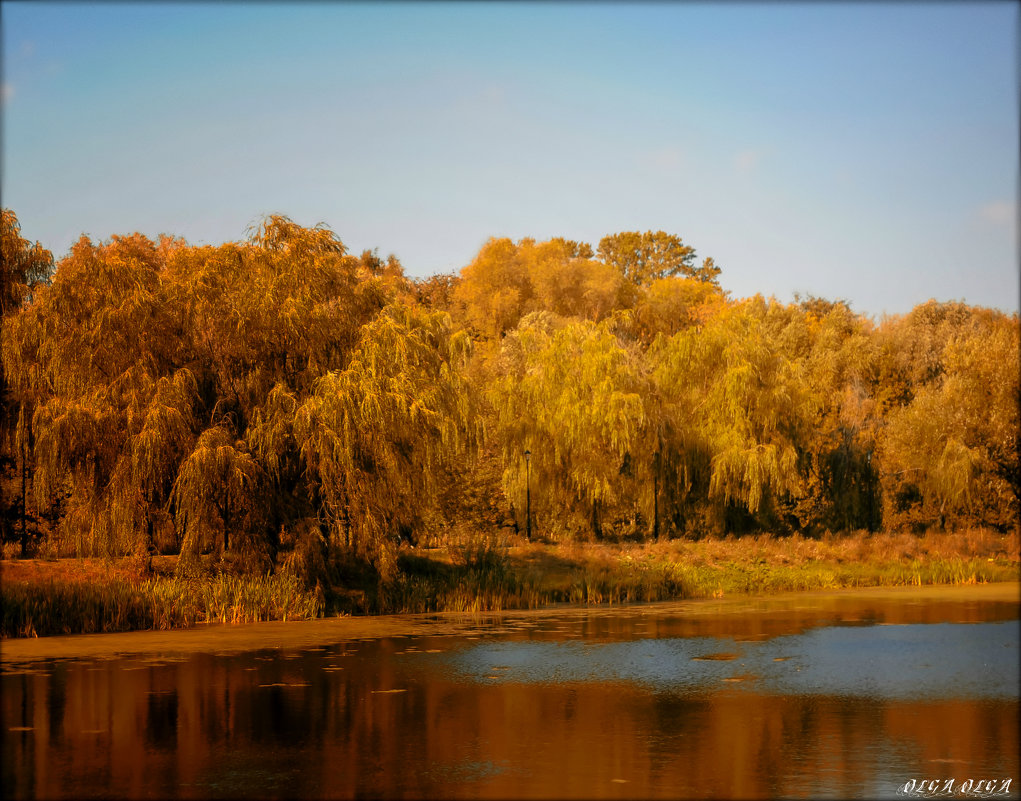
[528, 496]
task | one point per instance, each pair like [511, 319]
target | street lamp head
[528, 455]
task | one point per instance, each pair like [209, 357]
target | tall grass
[481, 574]
[37, 609]
[684, 569]
[250, 599]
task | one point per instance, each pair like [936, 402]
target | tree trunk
[150, 545]
[347, 515]
[655, 501]
[24, 501]
[657, 469]
[226, 523]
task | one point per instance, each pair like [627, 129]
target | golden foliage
[278, 393]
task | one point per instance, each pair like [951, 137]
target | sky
[863, 151]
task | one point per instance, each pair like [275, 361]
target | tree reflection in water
[625, 708]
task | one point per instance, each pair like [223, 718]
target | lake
[843, 695]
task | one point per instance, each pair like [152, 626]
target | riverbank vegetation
[42, 597]
[278, 407]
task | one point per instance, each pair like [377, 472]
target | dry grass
[489, 576]
[73, 596]
[90, 570]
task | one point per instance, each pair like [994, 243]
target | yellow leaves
[639, 387]
[508, 280]
[375, 432]
[953, 447]
[645, 257]
[732, 386]
[570, 395]
[22, 264]
[745, 474]
[278, 233]
[165, 436]
[670, 304]
[215, 487]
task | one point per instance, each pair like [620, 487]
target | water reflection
[605, 705]
[917, 661]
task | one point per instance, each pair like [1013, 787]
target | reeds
[250, 599]
[63, 606]
[682, 569]
[483, 575]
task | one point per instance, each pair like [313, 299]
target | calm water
[806, 696]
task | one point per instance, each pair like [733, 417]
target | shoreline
[70, 596]
[848, 603]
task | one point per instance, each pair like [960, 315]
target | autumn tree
[436, 292]
[23, 264]
[235, 399]
[739, 409]
[155, 366]
[838, 355]
[217, 492]
[570, 284]
[264, 320]
[508, 280]
[949, 455]
[495, 290]
[645, 257]
[671, 304]
[23, 267]
[90, 351]
[374, 435]
[569, 394]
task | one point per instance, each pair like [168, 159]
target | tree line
[280, 394]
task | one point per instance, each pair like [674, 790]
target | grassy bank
[81, 596]
[530, 576]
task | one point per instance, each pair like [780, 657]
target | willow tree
[374, 435]
[157, 448]
[23, 264]
[263, 321]
[839, 361]
[91, 348]
[23, 267]
[283, 307]
[737, 399]
[216, 493]
[569, 393]
[949, 457]
[911, 347]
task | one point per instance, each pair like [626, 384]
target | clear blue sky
[861, 151]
